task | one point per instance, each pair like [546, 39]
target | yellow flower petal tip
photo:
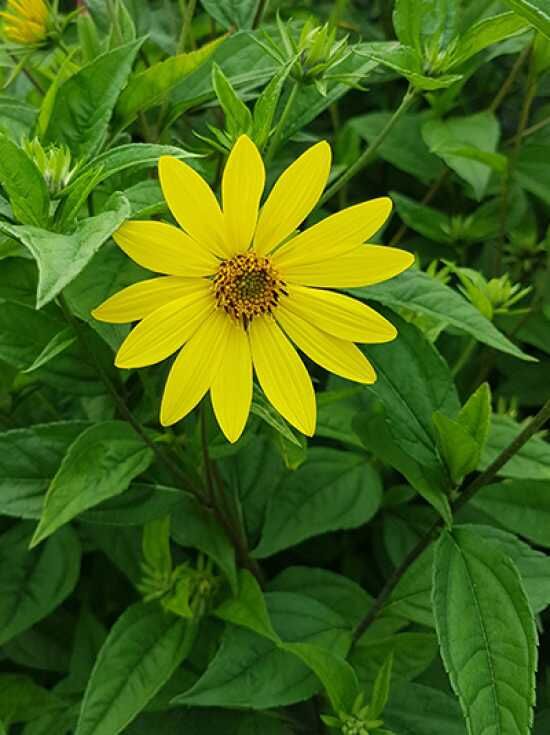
[238, 297]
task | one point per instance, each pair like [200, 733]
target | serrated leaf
[532, 461]
[335, 674]
[141, 652]
[248, 608]
[452, 138]
[459, 449]
[24, 184]
[420, 293]
[381, 689]
[151, 87]
[251, 671]
[61, 258]
[84, 103]
[330, 491]
[100, 463]
[486, 633]
[60, 342]
[484, 33]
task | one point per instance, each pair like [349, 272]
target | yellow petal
[193, 204]
[282, 375]
[165, 330]
[231, 390]
[339, 315]
[364, 266]
[141, 299]
[194, 368]
[337, 234]
[164, 249]
[293, 196]
[242, 188]
[336, 355]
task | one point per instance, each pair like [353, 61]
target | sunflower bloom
[240, 286]
[25, 21]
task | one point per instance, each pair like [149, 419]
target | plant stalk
[368, 155]
[484, 478]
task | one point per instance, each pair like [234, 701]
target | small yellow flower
[25, 21]
[240, 286]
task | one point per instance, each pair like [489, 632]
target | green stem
[530, 94]
[220, 508]
[120, 403]
[260, 12]
[368, 155]
[187, 10]
[466, 494]
[279, 130]
[464, 357]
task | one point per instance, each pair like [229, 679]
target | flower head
[240, 286]
[26, 21]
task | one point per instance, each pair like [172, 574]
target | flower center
[246, 286]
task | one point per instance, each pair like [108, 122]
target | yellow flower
[240, 286]
[25, 21]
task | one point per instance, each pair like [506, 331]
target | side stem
[368, 155]
[467, 493]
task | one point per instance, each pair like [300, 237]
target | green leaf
[100, 463]
[155, 545]
[335, 674]
[265, 107]
[533, 566]
[238, 118]
[263, 409]
[84, 103]
[342, 595]
[60, 258]
[426, 220]
[459, 449]
[536, 12]
[330, 491]
[486, 32]
[426, 25]
[404, 146]
[406, 61]
[531, 462]
[381, 689]
[411, 655]
[24, 184]
[521, 506]
[22, 700]
[29, 459]
[453, 140]
[411, 396]
[232, 13]
[415, 709]
[69, 208]
[151, 87]
[422, 294]
[58, 344]
[475, 415]
[129, 157]
[251, 671]
[194, 527]
[411, 597]
[486, 633]
[248, 608]
[142, 503]
[33, 584]
[143, 649]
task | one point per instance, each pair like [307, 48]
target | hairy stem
[466, 494]
[369, 154]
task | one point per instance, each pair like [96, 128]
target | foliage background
[165, 581]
